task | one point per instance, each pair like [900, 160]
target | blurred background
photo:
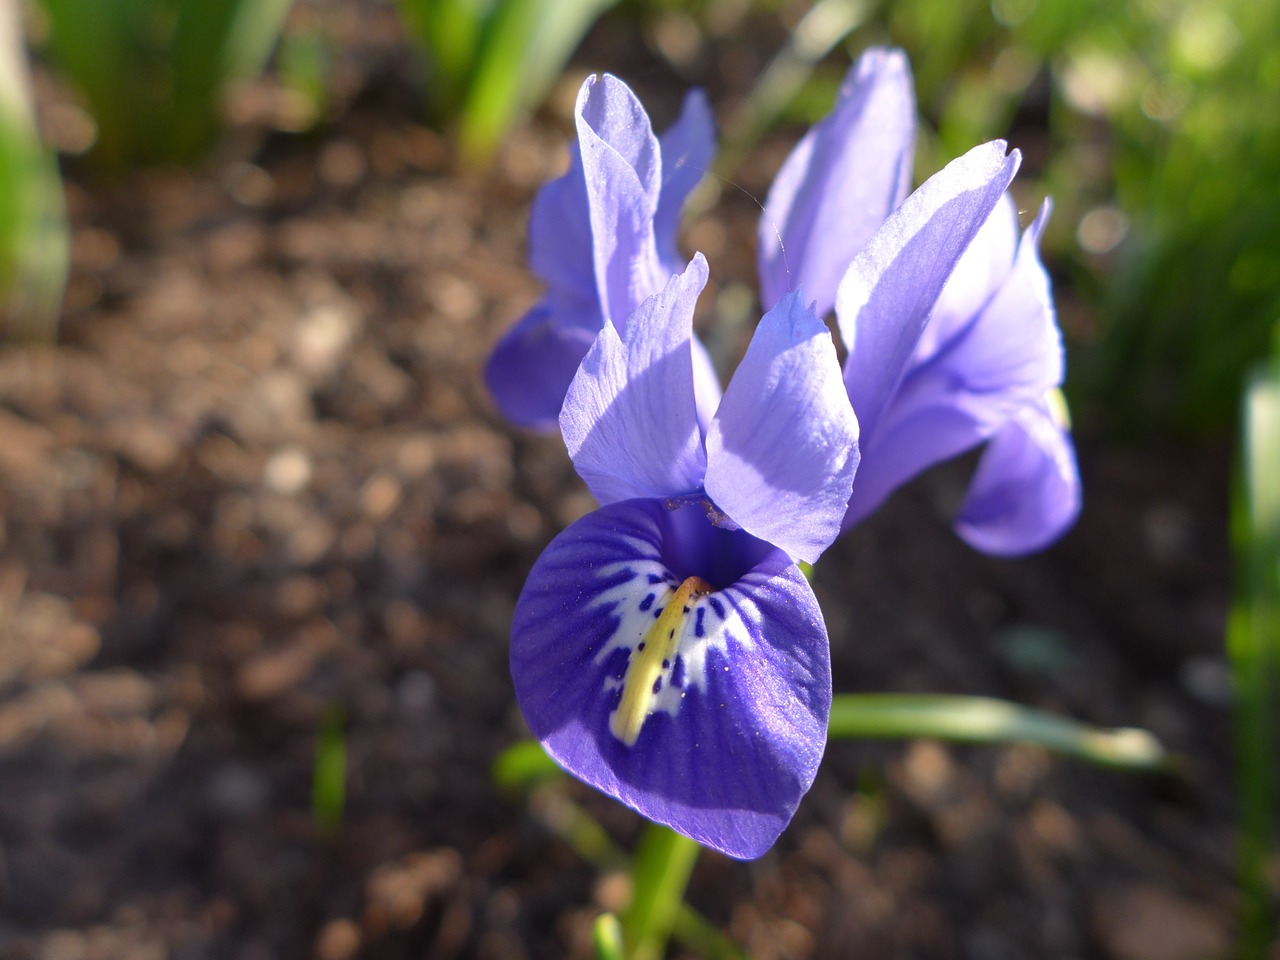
[262, 530]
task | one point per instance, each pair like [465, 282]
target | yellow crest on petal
[651, 661]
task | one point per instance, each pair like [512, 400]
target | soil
[256, 491]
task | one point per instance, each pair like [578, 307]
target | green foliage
[489, 60]
[33, 234]
[607, 933]
[524, 765]
[154, 71]
[1253, 644]
[986, 720]
[1164, 118]
[33, 229]
[329, 773]
[659, 870]
[1193, 303]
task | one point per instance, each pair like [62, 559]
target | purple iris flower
[666, 648]
[946, 314]
[937, 368]
[602, 238]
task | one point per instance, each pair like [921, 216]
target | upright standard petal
[603, 238]
[629, 417]
[783, 447]
[1026, 490]
[560, 250]
[977, 276]
[622, 165]
[688, 146]
[890, 288]
[680, 668]
[841, 181]
[1010, 351]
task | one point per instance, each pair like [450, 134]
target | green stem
[525, 766]
[659, 874]
[987, 720]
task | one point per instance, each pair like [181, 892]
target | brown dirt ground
[258, 479]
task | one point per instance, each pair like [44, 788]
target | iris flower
[951, 337]
[666, 648]
[934, 370]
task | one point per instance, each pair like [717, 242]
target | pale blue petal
[903, 446]
[1026, 490]
[688, 147]
[978, 275]
[960, 391]
[841, 181]
[890, 289]
[629, 417]
[706, 385]
[590, 233]
[783, 447]
[1011, 348]
[560, 249]
[622, 166]
[734, 724]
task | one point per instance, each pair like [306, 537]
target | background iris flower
[975, 360]
[666, 649]
[952, 337]
[603, 238]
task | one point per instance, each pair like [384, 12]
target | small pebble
[288, 471]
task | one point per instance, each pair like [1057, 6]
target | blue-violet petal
[717, 726]
[622, 165]
[532, 366]
[890, 288]
[783, 447]
[1026, 490]
[844, 177]
[688, 146]
[629, 418]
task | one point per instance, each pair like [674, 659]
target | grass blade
[607, 933]
[986, 720]
[33, 227]
[329, 773]
[1253, 646]
[525, 49]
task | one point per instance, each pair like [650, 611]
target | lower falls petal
[682, 669]
[1026, 491]
[533, 363]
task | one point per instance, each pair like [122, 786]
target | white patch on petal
[710, 621]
